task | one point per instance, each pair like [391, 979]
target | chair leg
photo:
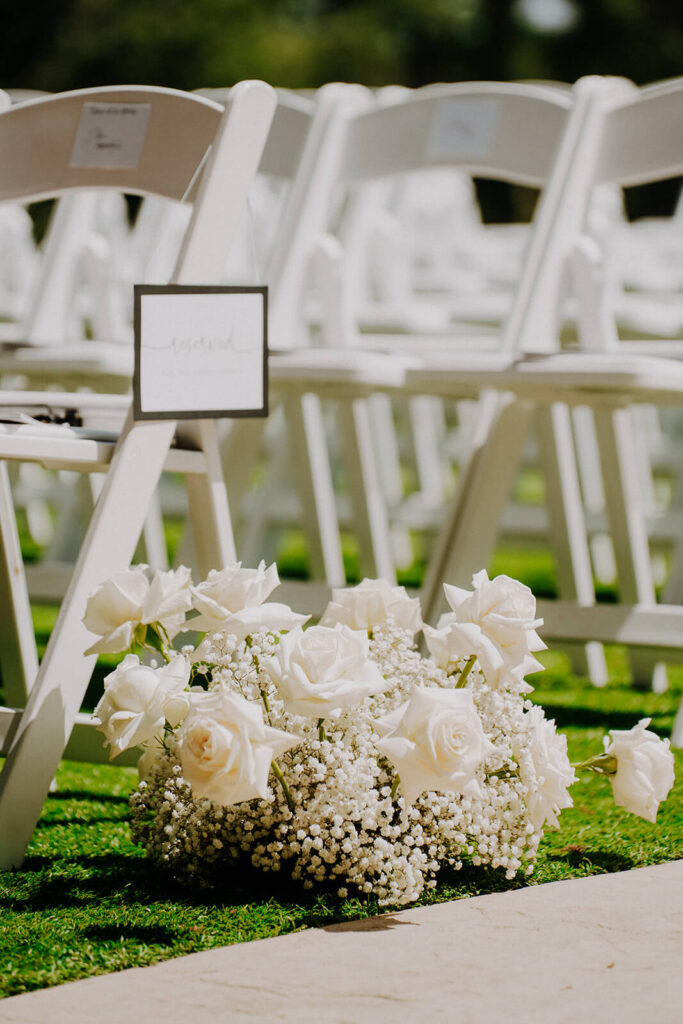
[153, 539]
[590, 474]
[468, 534]
[18, 654]
[627, 518]
[306, 425]
[208, 501]
[427, 433]
[673, 591]
[259, 538]
[365, 490]
[677, 731]
[241, 446]
[386, 445]
[64, 673]
[567, 528]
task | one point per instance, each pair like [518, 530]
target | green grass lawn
[86, 901]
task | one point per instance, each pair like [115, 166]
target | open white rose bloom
[339, 753]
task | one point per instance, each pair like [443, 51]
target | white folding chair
[192, 150]
[90, 224]
[520, 128]
[520, 133]
[301, 374]
[626, 137]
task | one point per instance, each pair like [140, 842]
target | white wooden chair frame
[627, 137]
[35, 737]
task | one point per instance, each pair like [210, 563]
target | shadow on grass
[575, 856]
[83, 819]
[592, 718]
[383, 923]
[139, 881]
[90, 795]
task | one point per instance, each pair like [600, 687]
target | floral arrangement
[339, 752]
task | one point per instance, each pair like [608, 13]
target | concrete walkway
[607, 948]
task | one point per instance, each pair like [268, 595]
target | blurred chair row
[395, 316]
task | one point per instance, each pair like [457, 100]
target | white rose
[168, 598]
[320, 670]
[226, 749]
[435, 741]
[545, 769]
[496, 622]
[132, 709]
[127, 599]
[373, 603]
[231, 601]
[114, 609]
[645, 769]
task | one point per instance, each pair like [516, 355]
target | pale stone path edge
[603, 948]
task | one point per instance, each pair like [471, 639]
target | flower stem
[322, 735]
[462, 680]
[266, 705]
[602, 764]
[283, 784]
[394, 788]
[155, 638]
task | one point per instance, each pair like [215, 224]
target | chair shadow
[576, 855]
[382, 923]
[89, 796]
[76, 819]
[593, 717]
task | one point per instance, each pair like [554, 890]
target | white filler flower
[373, 603]
[232, 601]
[128, 599]
[132, 709]
[545, 768]
[226, 749]
[320, 670]
[645, 769]
[496, 622]
[435, 741]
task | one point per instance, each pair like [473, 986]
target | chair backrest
[634, 138]
[307, 210]
[642, 135]
[38, 142]
[60, 145]
[515, 132]
[505, 131]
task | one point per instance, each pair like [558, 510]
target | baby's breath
[347, 828]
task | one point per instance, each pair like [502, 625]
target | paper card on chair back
[110, 135]
[200, 352]
[463, 127]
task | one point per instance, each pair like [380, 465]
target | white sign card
[200, 351]
[463, 128]
[110, 135]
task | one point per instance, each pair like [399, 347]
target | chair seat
[109, 365]
[472, 340]
[571, 377]
[338, 371]
[89, 447]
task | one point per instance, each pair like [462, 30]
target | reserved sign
[200, 352]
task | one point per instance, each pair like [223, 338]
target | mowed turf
[86, 901]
